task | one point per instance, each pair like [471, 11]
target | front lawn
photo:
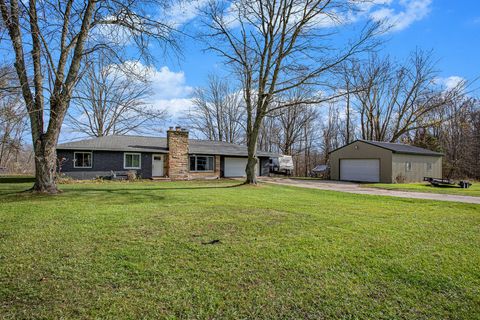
[474, 190]
[216, 250]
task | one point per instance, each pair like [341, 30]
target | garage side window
[131, 161]
[82, 160]
[201, 163]
[408, 166]
[429, 166]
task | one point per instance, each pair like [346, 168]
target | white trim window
[408, 166]
[202, 163]
[429, 166]
[82, 159]
[132, 160]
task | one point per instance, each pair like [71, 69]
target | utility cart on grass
[438, 182]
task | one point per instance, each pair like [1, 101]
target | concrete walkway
[350, 187]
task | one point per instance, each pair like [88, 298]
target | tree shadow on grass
[125, 195]
[15, 179]
[100, 196]
[88, 189]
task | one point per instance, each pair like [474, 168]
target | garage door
[367, 170]
[235, 167]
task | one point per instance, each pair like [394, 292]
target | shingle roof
[403, 148]
[158, 145]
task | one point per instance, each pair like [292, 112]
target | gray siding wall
[103, 163]
[418, 169]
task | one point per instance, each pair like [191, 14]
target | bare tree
[13, 118]
[393, 100]
[269, 134]
[218, 112]
[294, 120]
[331, 128]
[112, 100]
[50, 40]
[346, 72]
[276, 46]
[459, 138]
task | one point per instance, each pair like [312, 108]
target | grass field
[473, 191]
[149, 250]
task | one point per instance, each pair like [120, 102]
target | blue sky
[451, 28]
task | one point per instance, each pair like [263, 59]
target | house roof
[127, 143]
[398, 148]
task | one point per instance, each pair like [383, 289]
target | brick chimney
[177, 143]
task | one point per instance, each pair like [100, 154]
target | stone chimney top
[177, 128]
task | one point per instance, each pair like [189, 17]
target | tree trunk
[45, 166]
[252, 157]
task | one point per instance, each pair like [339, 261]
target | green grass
[474, 190]
[137, 250]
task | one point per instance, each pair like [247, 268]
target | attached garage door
[367, 170]
[235, 167]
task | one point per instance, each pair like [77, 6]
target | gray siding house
[176, 157]
[375, 161]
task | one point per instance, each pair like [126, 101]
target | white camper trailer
[282, 165]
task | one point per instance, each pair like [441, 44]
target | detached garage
[374, 161]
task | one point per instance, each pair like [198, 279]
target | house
[375, 161]
[176, 157]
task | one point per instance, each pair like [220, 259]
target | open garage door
[362, 170]
[235, 167]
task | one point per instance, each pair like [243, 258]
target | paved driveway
[351, 187]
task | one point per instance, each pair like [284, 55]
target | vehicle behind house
[282, 165]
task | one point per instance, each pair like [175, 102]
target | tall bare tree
[295, 120]
[459, 138]
[394, 99]
[276, 46]
[218, 111]
[111, 99]
[50, 40]
[331, 131]
[13, 118]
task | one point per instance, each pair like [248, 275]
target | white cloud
[451, 82]
[168, 84]
[397, 20]
[185, 11]
[368, 5]
[169, 88]
[398, 14]
[175, 106]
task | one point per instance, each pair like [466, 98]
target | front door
[157, 166]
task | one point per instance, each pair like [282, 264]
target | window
[429, 166]
[408, 166]
[201, 163]
[131, 161]
[82, 160]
